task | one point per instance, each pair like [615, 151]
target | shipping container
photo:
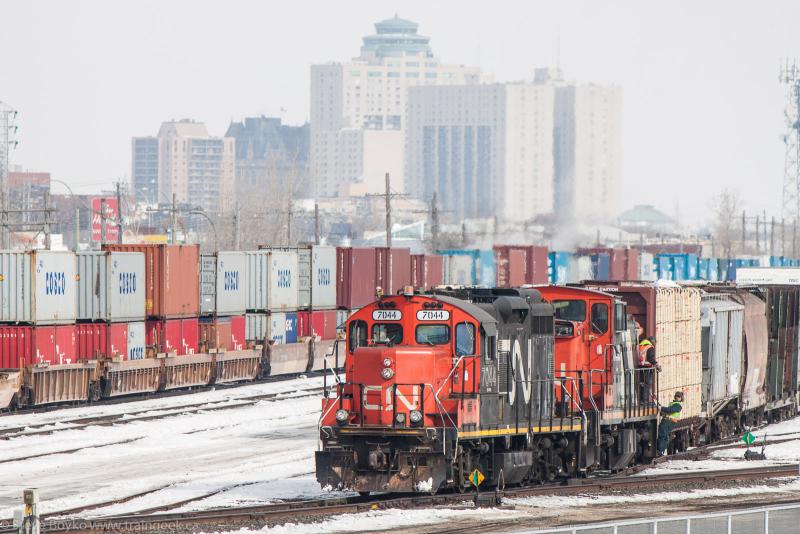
[38, 287]
[722, 333]
[94, 340]
[222, 283]
[580, 269]
[24, 345]
[672, 315]
[277, 328]
[601, 266]
[618, 259]
[559, 264]
[323, 323]
[17, 346]
[341, 319]
[356, 280]
[111, 286]
[647, 268]
[272, 280]
[221, 333]
[392, 269]
[469, 267]
[180, 336]
[713, 270]
[304, 269]
[664, 267]
[291, 327]
[632, 264]
[303, 324]
[172, 278]
[426, 271]
[783, 320]
[256, 328]
[137, 347]
[511, 265]
[323, 277]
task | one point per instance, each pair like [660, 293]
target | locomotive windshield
[387, 333]
[433, 334]
[570, 310]
[465, 339]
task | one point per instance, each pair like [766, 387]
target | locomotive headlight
[415, 416]
[342, 416]
[387, 362]
[387, 373]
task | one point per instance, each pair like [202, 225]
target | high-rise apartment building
[358, 108]
[485, 150]
[197, 168]
[270, 156]
[588, 151]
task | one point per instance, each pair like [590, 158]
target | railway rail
[153, 518]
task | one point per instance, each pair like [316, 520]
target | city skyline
[703, 106]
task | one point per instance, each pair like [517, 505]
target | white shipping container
[136, 341]
[255, 328]
[647, 269]
[323, 278]
[272, 280]
[458, 269]
[277, 328]
[208, 283]
[231, 296]
[111, 286]
[38, 287]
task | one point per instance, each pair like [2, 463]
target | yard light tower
[8, 141]
[790, 78]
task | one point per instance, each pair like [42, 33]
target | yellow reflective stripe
[513, 431]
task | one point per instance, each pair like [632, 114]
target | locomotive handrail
[450, 374]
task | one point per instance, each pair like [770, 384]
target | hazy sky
[702, 105]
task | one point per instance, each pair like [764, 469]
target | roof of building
[183, 128]
[395, 37]
[644, 214]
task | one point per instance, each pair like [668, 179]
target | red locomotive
[500, 380]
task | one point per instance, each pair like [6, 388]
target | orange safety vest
[644, 346]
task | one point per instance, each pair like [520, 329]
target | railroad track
[311, 509]
[154, 413]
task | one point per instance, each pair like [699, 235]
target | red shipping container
[101, 339]
[418, 270]
[190, 336]
[172, 278]
[16, 346]
[323, 324]
[214, 334]
[238, 328]
[64, 350]
[180, 336]
[172, 340]
[303, 324]
[434, 270]
[537, 265]
[355, 277]
[392, 269]
[511, 264]
[632, 261]
[617, 258]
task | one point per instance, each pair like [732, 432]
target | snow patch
[424, 486]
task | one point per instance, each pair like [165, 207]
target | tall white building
[198, 168]
[485, 150]
[358, 108]
[588, 151]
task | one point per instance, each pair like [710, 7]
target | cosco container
[303, 271]
[469, 267]
[392, 269]
[323, 278]
[355, 276]
[172, 278]
[38, 287]
[256, 327]
[95, 340]
[136, 341]
[223, 289]
[111, 286]
[272, 280]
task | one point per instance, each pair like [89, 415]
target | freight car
[438, 385]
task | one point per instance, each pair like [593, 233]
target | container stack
[223, 301]
[469, 267]
[273, 295]
[39, 308]
[110, 305]
[172, 296]
[678, 349]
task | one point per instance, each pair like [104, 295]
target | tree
[726, 207]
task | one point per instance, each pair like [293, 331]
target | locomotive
[514, 383]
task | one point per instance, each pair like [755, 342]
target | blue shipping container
[678, 267]
[664, 267]
[558, 267]
[702, 269]
[601, 266]
[291, 328]
[713, 270]
[481, 266]
[692, 267]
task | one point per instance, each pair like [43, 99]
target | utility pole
[119, 213]
[102, 221]
[236, 227]
[758, 237]
[77, 238]
[7, 142]
[783, 237]
[463, 234]
[316, 223]
[744, 232]
[435, 221]
[289, 215]
[173, 214]
[388, 212]
[772, 237]
[47, 243]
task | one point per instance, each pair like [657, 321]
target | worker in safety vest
[647, 361]
[669, 417]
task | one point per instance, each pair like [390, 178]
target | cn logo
[55, 283]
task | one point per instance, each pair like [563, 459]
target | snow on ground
[386, 520]
[253, 453]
